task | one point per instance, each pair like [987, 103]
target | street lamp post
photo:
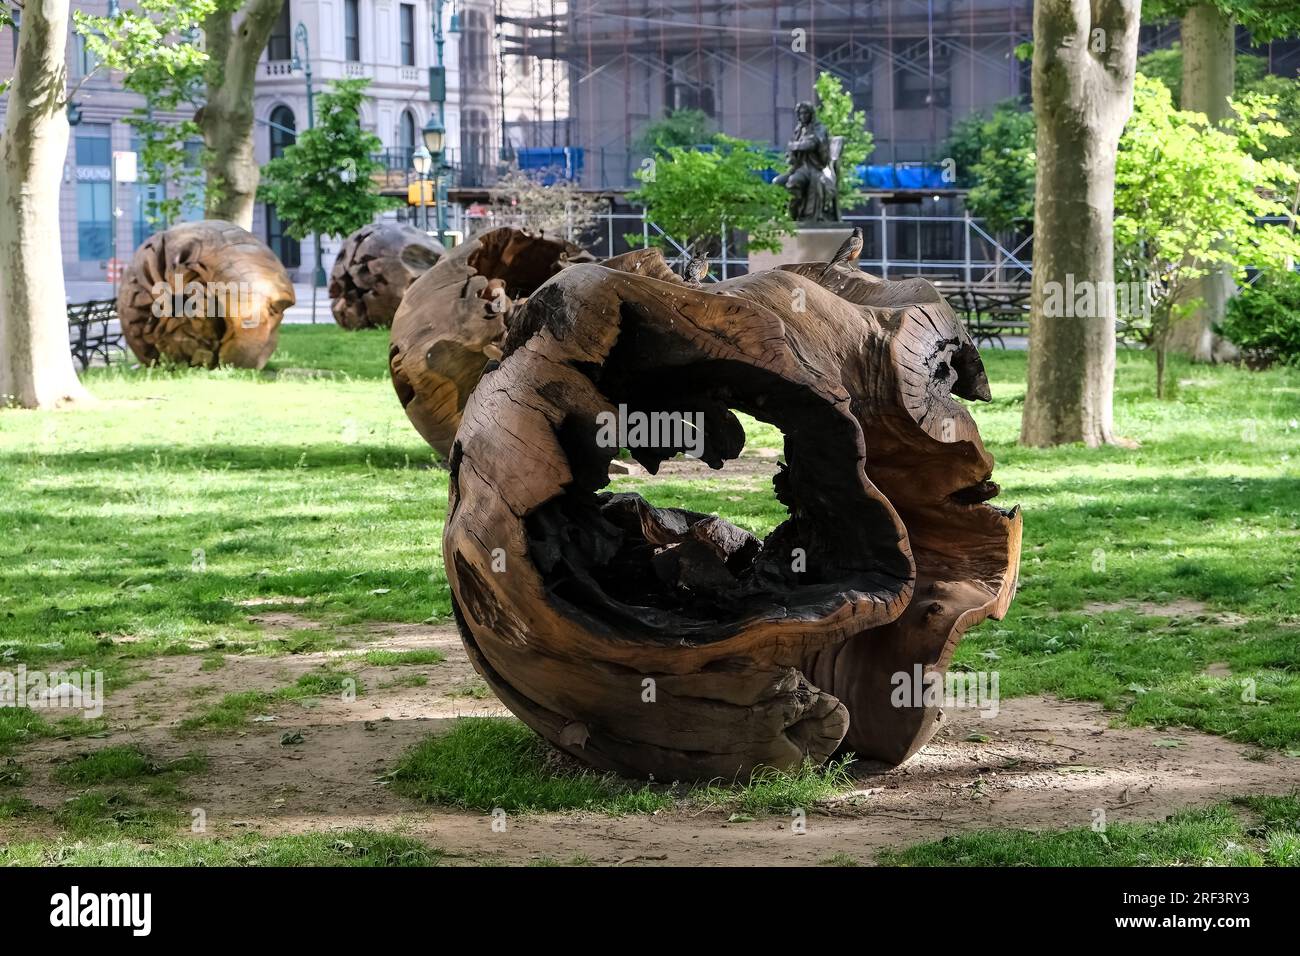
[435, 130]
[435, 137]
[421, 161]
[302, 61]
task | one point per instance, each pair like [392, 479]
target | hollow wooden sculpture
[373, 270]
[660, 641]
[452, 321]
[204, 293]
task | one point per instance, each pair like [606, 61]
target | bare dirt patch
[1182, 608]
[1040, 763]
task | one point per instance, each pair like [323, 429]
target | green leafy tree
[216, 76]
[1252, 76]
[324, 183]
[835, 111]
[679, 128]
[35, 365]
[962, 147]
[1002, 193]
[694, 194]
[1208, 29]
[152, 47]
[1189, 194]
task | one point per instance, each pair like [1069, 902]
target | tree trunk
[1209, 60]
[667, 642]
[1162, 350]
[1082, 99]
[36, 368]
[227, 117]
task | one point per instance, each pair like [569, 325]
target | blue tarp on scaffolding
[553, 162]
[903, 176]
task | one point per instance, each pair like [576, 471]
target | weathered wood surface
[453, 318]
[659, 641]
[204, 293]
[373, 270]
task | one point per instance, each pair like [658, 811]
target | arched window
[283, 135]
[283, 130]
[406, 137]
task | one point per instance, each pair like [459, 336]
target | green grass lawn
[1252, 831]
[147, 525]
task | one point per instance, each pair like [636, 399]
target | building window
[283, 130]
[94, 155]
[87, 61]
[406, 138]
[352, 30]
[474, 43]
[475, 146]
[920, 81]
[689, 84]
[408, 34]
[280, 45]
[283, 135]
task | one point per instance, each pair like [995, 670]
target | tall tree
[1085, 55]
[36, 368]
[1189, 198]
[325, 182]
[236, 33]
[1209, 43]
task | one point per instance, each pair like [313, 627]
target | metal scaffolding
[915, 66]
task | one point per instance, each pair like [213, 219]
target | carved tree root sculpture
[373, 270]
[453, 318]
[204, 293]
[659, 641]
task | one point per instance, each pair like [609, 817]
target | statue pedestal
[812, 243]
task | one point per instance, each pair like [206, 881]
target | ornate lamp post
[435, 130]
[434, 139]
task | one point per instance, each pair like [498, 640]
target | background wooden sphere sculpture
[206, 294]
[659, 641]
[453, 318]
[373, 270]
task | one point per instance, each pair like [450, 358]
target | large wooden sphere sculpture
[204, 293]
[659, 641]
[373, 270]
[453, 319]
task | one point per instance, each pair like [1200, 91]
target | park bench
[989, 310]
[93, 330]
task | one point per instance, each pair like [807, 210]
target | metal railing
[969, 252]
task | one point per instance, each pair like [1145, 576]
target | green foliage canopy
[324, 183]
[1189, 195]
[835, 111]
[694, 194]
[154, 47]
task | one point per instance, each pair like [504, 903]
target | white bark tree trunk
[227, 117]
[1209, 61]
[36, 369]
[1084, 60]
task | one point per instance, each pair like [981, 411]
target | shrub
[1264, 320]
